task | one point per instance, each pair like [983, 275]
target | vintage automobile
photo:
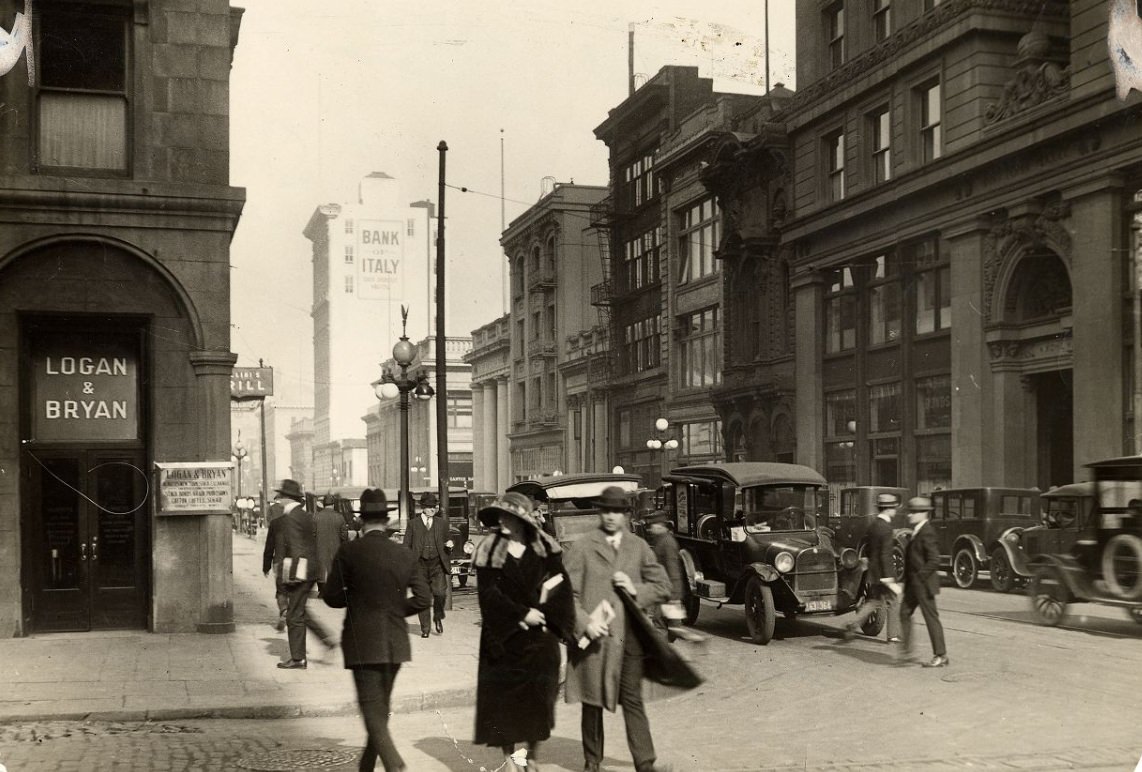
[971, 524]
[1104, 564]
[1067, 510]
[567, 502]
[748, 534]
[856, 507]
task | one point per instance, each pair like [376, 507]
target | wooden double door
[86, 540]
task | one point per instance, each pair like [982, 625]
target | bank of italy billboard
[380, 258]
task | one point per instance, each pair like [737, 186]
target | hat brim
[490, 516]
[290, 494]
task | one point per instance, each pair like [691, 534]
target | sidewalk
[136, 676]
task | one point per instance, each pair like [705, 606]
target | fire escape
[600, 365]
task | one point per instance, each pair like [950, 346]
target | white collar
[516, 549]
[615, 538]
[916, 528]
[886, 515]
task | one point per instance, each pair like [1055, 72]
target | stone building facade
[116, 215]
[491, 361]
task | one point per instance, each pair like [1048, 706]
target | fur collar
[492, 551]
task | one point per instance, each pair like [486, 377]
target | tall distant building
[369, 258]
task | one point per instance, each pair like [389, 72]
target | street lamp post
[239, 452]
[390, 386]
[663, 442]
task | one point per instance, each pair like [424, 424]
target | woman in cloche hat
[527, 607]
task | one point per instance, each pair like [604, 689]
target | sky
[323, 94]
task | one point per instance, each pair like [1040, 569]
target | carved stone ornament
[1036, 80]
[1009, 238]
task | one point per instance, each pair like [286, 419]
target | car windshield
[779, 507]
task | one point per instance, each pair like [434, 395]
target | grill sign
[251, 382]
[85, 391]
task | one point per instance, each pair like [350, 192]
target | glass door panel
[118, 502]
[61, 600]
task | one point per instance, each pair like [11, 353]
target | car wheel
[965, 570]
[1002, 576]
[1135, 613]
[1122, 566]
[1049, 595]
[760, 614]
[875, 622]
[898, 562]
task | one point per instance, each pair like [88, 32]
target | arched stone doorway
[1031, 360]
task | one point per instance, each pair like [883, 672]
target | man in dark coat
[330, 530]
[922, 581]
[880, 578]
[426, 534]
[271, 554]
[370, 579]
[297, 564]
[672, 614]
[609, 670]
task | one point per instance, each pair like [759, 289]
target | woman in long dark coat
[518, 680]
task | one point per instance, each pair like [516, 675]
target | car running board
[715, 602]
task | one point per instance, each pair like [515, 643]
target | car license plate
[818, 605]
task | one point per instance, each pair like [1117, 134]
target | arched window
[1040, 288]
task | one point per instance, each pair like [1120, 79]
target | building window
[701, 439]
[410, 226]
[641, 342]
[840, 435]
[517, 276]
[535, 325]
[82, 99]
[933, 438]
[349, 226]
[551, 322]
[835, 165]
[884, 301]
[881, 19]
[348, 285]
[640, 259]
[624, 428]
[552, 398]
[459, 413]
[933, 289]
[931, 139]
[700, 350]
[638, 181]
[536, 395]
[934, 403]
[533, 268]
[349, 254]
[577, 424]
[519, 337]
[697, 240]
[880, 129]
[884, 418]
[840, 311]
[835, 33]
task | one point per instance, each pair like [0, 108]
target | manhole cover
[297, 758]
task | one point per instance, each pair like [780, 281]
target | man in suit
[271, 554]
[296, 559]
[426, 535]
[330, 530]
[922, 581]
[370, 578]
[609, 672]
[880, 578]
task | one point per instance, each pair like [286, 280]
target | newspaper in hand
[892, 584]
[604, 613]
[547, 587]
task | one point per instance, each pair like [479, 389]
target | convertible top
[1073, 489]
[747, 473]
[575, 486]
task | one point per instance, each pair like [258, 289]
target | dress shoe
[423, 633]
[937, 662]
[293, 664]
[280, 624]
[439, 627]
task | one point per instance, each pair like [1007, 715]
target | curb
[412, 703]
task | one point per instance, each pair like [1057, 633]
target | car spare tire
[1122, 566]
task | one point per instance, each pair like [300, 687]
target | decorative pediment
[1037, 79]
[1012, 236]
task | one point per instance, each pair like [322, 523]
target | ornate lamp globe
[403, 352]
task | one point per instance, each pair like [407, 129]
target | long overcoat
[591, 562]
[518, 679]
[370, 579]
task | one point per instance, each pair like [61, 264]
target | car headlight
[448, 544]
[784, 562]
[849, 558]
[1011, 537]
[469, 548]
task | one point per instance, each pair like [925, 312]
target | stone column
[492, 439]
[601, 460]
[216, 561]
[477, 436]
[503, 427]
[810, 400]
[972, 411]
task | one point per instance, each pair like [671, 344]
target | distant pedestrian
[375, 580]
[426, 534]
[297, 566]
[672, 614]
[882, 587]
[526, 607]
[609, 671]
[271, 554]
[922, 582]
[330, 530]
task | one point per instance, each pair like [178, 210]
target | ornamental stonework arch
[1009, 239]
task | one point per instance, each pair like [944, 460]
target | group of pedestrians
[921, 578]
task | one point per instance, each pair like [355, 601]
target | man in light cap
[883, 588]
[922, 582]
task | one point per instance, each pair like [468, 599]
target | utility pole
[441, 353]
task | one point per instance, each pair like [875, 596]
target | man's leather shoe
[423, 633]
[439, 627]
[293, 664]
[280, 624]
[937, 662]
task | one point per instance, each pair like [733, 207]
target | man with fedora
[666, 551]
[295, 558]
[272, 553]
[427, 536]
[882, 587]
[371, 578]
[330, 530]
[922, 582]
[609, 671]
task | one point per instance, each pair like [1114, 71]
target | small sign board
[251, 382]
[195, 487]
